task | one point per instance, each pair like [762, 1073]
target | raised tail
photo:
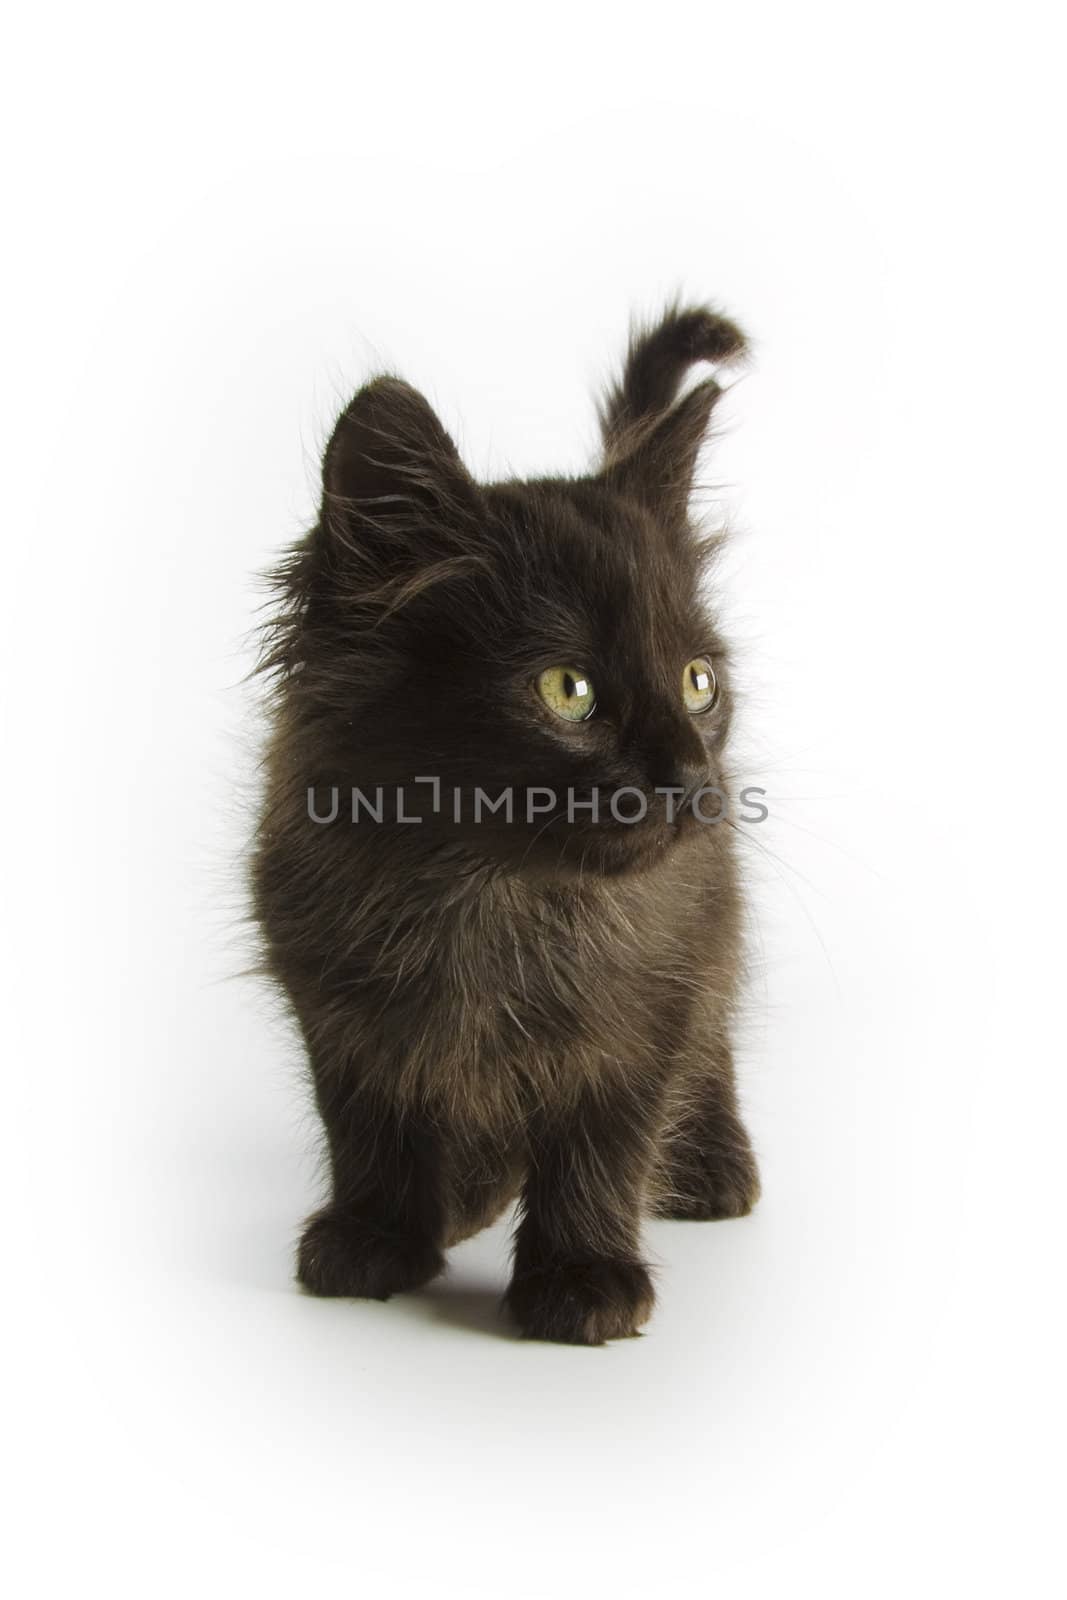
[656, 363]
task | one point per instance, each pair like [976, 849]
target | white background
[218, 221]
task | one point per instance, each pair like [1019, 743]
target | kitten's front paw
[347, 1256]
[582, 1302]
[722, 1186]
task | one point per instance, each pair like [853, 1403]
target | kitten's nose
[687, 773]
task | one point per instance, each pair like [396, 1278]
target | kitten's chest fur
[483, 994]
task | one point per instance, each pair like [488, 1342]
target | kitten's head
[547, 639]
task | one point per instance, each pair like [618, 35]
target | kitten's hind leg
[707, 1169]
[383, 1229]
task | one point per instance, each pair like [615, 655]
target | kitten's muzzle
[686, 778]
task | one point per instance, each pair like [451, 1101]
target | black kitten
[486, 872]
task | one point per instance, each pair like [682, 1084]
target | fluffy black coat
[537, 1008]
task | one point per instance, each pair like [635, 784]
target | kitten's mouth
[614, 850]
[605, 836]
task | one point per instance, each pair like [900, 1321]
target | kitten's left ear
[393, 486]
[388, 443]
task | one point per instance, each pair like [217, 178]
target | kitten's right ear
[395, 494]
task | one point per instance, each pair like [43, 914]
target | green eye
[567, 692]
[699, 687]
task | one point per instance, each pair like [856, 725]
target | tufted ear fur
[398, 505]
[651, 443]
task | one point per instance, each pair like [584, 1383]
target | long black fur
[493, 1011]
